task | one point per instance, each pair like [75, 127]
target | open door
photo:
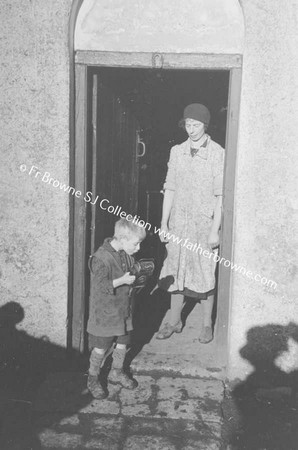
[115, 137]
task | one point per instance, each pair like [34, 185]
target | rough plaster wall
[34, 130]
[267, 190]
[155, 25]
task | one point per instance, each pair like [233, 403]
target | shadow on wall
[263, 411]
[25, 363]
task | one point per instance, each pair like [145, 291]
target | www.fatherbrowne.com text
[105, 205]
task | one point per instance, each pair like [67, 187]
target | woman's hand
[213, 240]
[163, 232]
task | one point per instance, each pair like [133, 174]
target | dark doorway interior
[134, 112]
[145, 105]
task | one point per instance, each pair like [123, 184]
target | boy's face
[131, 244]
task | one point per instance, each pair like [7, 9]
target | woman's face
[194, 129]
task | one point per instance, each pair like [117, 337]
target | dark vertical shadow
[265, 411]
[151, 303]
[38, 380]
[149, 312]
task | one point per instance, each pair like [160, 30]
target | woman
[192, 214]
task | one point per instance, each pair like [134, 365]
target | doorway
[133, 116]
[127, 122]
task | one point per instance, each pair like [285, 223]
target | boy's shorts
[107, 341]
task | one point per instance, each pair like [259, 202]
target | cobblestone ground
[163, 413]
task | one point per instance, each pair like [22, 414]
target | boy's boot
[93, 384]
[117, 374]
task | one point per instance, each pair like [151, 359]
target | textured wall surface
[197, 26]
[266, 204]
[34, 131]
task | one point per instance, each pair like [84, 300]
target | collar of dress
[202, 150]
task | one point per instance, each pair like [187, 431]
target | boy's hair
[125, 228]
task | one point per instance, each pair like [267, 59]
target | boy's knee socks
[119, 356]
[95, 360]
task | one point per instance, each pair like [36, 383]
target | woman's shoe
[168, 330]
[206, 335]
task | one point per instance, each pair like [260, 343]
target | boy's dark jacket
[109, 308]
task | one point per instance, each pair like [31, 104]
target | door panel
[115, 165]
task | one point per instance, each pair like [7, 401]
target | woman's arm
[218, 170]
[169, 193]
[213, 238]
[167, 206]
[166, 211]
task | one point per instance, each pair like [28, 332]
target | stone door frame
[78, 169]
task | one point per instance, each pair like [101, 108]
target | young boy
[110, 316]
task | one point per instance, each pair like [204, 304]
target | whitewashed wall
[266, 196]
[34, 131]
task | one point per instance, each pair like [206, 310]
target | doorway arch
[198, 26]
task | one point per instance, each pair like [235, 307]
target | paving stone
[105, 433]
[51, 439]
[187, 410]
[101, 407]
[101, 444]
[139, 395]
[211, 416]
[180, 395]
[62, 392]
[190, 426]
[213, 429]
[182, 363]
[171, 388]
[146, 425]
[106, 424]
[148, 443]
[136, 410]
[72, 420]
[164, 427]
[201, 445]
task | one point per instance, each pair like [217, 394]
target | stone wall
[35, 131]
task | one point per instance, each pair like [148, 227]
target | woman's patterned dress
[196, 180]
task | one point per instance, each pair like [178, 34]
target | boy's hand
[128, 279]
[125, 279]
